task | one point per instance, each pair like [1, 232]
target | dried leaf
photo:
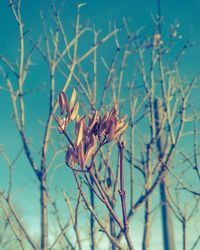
[80, 133]
[102, 125]
[93, 120]
[67, 120]
[80, 151]
[68, 156]
[73, 154]
[120, 122]
[72, 163]
[113, 112]
[85, 129]
[77, 118]
[93, 141]
[102, 129]
[121, 130]
[94, 129]
[61, 124]
[88, 154]
[110, 121]
[87, 139]
[72, 100]
[62, 102]
[89, 118]
[74, 111]
[111, 133]
[108, 126]
[105, 117]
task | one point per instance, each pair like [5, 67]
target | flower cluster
[91, 132]
[71, 110]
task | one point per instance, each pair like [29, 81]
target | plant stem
[44, 221]
[122, 194]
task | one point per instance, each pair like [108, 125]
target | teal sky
[97, 13]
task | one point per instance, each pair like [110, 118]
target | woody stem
[122, 194]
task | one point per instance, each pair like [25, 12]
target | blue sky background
[99, 14]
